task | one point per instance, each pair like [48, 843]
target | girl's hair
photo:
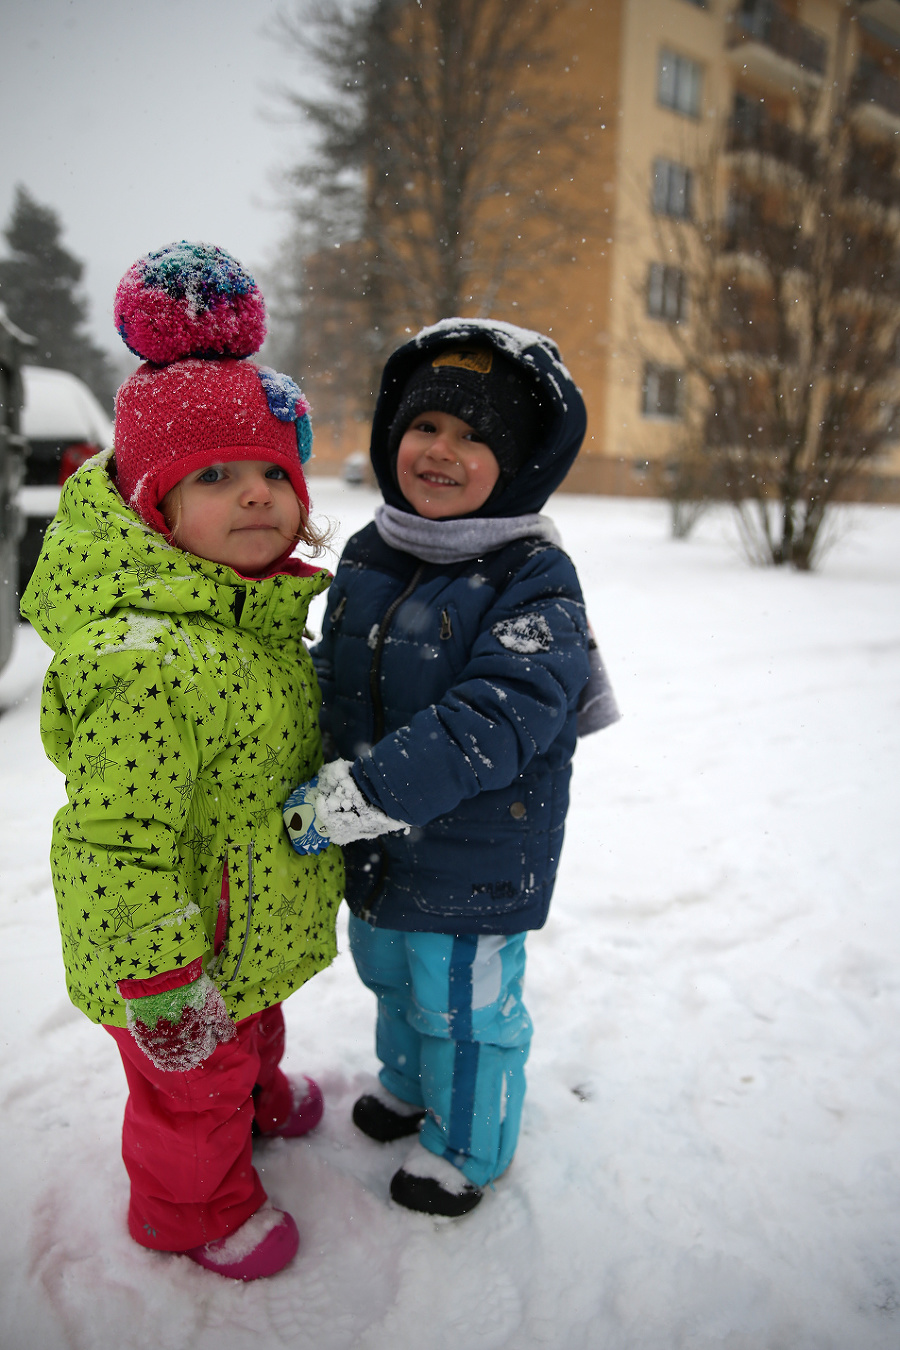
[315, 537]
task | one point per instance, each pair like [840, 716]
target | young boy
[454, 655]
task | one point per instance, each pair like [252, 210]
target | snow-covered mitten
[181, 1028]
[330, 809]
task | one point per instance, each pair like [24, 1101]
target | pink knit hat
[194, 315]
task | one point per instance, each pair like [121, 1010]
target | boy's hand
[330, 809]
[181, 1028]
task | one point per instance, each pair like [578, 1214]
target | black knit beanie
[482, 387]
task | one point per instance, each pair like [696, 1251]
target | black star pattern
[98, 764]
[144, 573]
[101, 533]
[286, 906]
[198, 843]
[126, 862]
[122, 914]
[118, 689]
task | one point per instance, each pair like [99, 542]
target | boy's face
[241, 513]
[443, 469]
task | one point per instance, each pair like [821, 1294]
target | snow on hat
[482, 387]
[195, 315]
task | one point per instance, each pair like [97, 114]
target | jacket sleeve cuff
[162, 983]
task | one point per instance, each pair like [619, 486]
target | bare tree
[442, 166]
[791, 257]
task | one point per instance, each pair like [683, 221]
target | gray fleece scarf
[453, 541]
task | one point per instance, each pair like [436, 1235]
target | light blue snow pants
[452, 1035]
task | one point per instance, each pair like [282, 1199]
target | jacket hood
[565, 419]
[99, 557]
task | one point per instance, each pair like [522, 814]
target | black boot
[373, 1115]
[432, 1185]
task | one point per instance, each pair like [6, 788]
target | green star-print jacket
[182, 706]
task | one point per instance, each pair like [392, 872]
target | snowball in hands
[181, 1028]
[330, 809]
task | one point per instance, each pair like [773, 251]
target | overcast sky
[144, 121]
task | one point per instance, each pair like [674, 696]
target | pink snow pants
[186, 1138]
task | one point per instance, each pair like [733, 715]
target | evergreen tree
[39, 290]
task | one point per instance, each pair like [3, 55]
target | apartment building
[674, 77]
[692, 106]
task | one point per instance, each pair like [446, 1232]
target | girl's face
[243, 513]
[443, 469]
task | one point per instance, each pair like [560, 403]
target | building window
[661, 391]
[672, 188]
[756, 16]
[748, 122]
[666, 293]
[679, 82]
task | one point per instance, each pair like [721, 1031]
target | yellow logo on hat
[479, 359]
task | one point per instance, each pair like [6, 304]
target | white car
[64, 425]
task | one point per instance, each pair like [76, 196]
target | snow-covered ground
[710, 1145]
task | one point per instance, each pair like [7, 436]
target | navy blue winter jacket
[454, 688]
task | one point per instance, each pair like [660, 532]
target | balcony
[748, 231]
[867, 264]
[774, 47]
[749, 326]
[881, 14]
[752, 131]
[868, 183]
[875, 98]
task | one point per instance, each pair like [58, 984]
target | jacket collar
[100, 557]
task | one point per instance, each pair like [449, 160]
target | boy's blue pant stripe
[462, 1098]
[463, 954]
[452, 1035]
[465, 1064]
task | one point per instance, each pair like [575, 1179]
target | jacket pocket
[489, 856]
[238, 892]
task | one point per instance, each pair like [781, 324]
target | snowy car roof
[59, 406]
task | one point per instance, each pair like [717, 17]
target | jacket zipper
[368, 914]
[375, 668]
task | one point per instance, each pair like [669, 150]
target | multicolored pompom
[189, 300]
[195, 315]
[288, 404]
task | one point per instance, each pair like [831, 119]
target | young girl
[180, 704]
[457, 666]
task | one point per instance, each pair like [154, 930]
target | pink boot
[306, 1111]
[262, 1246]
